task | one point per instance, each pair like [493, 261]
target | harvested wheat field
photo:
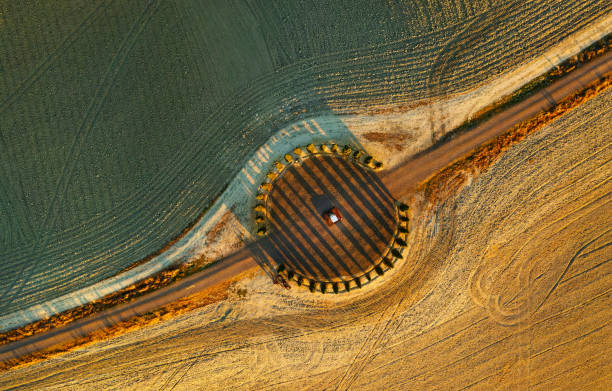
[507, 286]
[121, 122]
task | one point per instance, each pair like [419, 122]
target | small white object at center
[333, 217]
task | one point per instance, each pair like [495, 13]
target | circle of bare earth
[333, 257]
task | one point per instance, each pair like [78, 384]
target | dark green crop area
[121, 121]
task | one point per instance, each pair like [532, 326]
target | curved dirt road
[400, 182]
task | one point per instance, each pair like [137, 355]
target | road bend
[399, 181]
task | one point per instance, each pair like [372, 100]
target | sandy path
[400, 181]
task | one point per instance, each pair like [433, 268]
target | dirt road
[400, 182]
[403, 179]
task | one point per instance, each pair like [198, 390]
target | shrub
[357, 155]
[378, 165]
[396, 254]
[266, 187]
[346, 150]
[402, 207]
[279, 166]
[347, 286]
[312, 286]
[335, 148]
[404, 218]
[403, 230]
[311, 148]
[368, 160]
[368, 277]
[259, 219]
[262, 231]
[272, 175]
[323, 287]
[260, 208]
[335, 287]
[290, 274]
[260, 196]
[324, 148]
[300, 280]
[379, 270]
[288, 158]
[280, 268]
[298, 151]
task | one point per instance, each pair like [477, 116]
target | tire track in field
[305, 86]
[37, 72]
[80, 138]
[64, 44]
[372, 341]
[399, 302]
[554, 224]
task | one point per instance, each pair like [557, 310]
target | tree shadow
[299, 237]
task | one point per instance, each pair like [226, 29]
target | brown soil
[214, 233]
[127, 294]
[396, 141]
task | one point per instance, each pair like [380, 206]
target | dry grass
[593, 51]
[446, 183]
[437, 189]
[534, 231]
[395, 141]
[208, 296]
[441, 186]
[125, 295]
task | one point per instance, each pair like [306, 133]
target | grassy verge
[205, 297]
[595, 50]
[125, 295]
[443, 183]
[447, 182]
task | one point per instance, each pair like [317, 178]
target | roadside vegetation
[446, 182]
[593, 51]
[127, 119]
[438, 187]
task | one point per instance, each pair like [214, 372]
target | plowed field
[120, 122]
[507, 285]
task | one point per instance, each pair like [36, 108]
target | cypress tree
[358, 282]
[379, 270]
[388, 262]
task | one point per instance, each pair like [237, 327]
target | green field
[120, 122]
